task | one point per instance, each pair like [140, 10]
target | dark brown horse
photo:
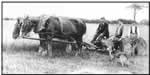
[56, 27]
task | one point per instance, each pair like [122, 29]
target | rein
[53, 40]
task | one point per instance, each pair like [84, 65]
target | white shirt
[134, 29]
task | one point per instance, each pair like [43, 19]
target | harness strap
[61, 24]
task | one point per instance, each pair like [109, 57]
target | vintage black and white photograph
[75, 38]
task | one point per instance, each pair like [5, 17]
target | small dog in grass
[122, 59]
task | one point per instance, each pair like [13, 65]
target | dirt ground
[29, 62]
[20, 56]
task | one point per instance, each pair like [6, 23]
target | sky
[111, 11]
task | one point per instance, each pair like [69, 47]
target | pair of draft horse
[49, 27]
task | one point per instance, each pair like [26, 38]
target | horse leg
[121, 46]
[50, 48]
[79, 44]
[49, 43]
[42, 48]
[110, 53]
[68, 48]
[133, 51]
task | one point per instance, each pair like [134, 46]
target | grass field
[20, 56]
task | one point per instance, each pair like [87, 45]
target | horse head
[26, 27]
[16, 31]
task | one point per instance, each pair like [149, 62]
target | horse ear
[18, 20]
[27, 17]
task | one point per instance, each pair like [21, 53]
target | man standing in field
[119, 31]
[117, 38]
[134, 31]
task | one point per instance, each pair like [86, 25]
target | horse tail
[84, 27]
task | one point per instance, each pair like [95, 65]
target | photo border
[2, 2]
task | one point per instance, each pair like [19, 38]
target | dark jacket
[102, 32]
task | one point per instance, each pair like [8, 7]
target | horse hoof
[111, 60]
[50, 55]
[44, 53]
[40, 51]
[68, 50]
[77, 54]
[38, 54]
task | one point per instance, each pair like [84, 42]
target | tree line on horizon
[124, 21]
